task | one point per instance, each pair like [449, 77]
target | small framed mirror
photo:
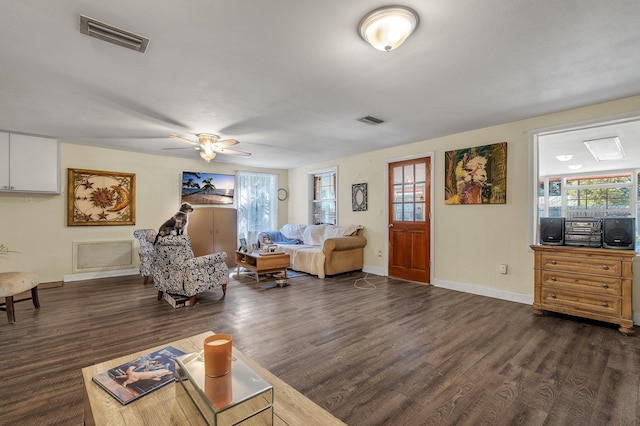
[359, 197]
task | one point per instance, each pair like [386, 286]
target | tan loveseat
[320, 249]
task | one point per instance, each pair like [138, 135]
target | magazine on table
[140, 376]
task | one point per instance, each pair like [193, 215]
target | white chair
[14, 283]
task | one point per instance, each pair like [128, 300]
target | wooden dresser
[592, 283]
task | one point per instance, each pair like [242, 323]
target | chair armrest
[208, 259]
[343, 243]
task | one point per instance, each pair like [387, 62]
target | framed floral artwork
[100, 198]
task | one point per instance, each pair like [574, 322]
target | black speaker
[619, 233]
[552, 231]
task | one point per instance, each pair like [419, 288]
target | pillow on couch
[293, 232]
[313, 235]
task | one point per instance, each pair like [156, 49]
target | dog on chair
[177, 223]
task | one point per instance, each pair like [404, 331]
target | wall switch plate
[503, 268]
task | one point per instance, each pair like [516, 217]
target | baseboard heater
[93, 256]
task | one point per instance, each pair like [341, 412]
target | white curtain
[257, 204]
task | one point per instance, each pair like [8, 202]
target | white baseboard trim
[101, 274]
[376, 270]
[496, 293]
[636, 319]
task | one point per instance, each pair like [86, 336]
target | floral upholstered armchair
[176, 270]
[145, 237]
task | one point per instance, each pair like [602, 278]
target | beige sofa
[320, 249]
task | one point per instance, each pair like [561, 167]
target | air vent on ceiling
[111, 34]
[370, 120]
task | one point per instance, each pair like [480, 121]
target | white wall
[470, 241]
[36, 225]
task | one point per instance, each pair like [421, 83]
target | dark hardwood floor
[373, 352]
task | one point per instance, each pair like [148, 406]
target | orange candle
[217, 355]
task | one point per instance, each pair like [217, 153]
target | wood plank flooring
[372, 351]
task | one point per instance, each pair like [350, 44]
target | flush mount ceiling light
[575, 166]
[388, 27]
[605, 149]
[565, 157]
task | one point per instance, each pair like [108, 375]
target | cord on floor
[370, 285]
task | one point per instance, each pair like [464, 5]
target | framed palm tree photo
[97, 197]
[207, 188]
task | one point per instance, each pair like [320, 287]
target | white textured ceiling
[288, 79]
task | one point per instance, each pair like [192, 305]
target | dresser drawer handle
[605, 285]
[605, 267]
[553, 262]
[554, 279]
[553, 295]
[605, 304]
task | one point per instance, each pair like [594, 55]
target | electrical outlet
[379, 253]
[504, 268]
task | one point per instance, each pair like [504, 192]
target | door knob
[391, 225]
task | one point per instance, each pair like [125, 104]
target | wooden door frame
[385, 254]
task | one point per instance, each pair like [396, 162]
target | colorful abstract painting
[476, 175]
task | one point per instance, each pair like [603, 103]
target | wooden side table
[263, 263]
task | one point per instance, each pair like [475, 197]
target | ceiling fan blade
[233, 152]
[184, 139]
[227, 142]
[197, 148]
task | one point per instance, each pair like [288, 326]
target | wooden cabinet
[213, 230]
[29, 164]
[592, 283]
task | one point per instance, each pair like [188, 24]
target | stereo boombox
[608, 232]
[584, 232]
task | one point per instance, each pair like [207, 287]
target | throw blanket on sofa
[275, 237]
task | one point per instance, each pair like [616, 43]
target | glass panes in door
[409, 196]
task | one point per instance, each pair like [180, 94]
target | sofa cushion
[314, 234]
[293, 232]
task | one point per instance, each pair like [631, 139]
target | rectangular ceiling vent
[111, 34]
[370, 120]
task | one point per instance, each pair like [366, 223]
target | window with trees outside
[604, 194]
[586, 170]
[324, 196]
[257, 195]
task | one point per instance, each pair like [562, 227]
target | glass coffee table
[239, 397]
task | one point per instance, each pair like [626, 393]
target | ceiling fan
[210, 145]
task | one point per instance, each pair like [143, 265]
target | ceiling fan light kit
[210, 146]
[386, 28]
[207, 156]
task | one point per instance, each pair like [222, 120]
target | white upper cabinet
[4, 161]
[29, 164]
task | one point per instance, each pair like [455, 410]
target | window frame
[535, 178]
[312, 176]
